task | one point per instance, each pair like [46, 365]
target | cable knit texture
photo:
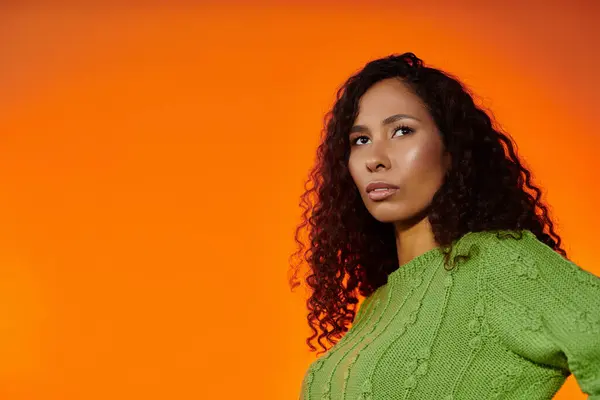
[512, 321]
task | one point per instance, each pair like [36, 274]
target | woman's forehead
[386, 98]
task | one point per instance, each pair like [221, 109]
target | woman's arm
[546, 308]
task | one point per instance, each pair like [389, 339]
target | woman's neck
[414, 239]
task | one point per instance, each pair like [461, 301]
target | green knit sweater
[513, 321]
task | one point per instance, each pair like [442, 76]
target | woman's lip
[378, 195]
[379, 185]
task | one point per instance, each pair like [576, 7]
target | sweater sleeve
[545, 308]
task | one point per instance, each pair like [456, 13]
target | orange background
[152, 157]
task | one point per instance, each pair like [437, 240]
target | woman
[421, 206]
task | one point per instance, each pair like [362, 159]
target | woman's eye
[360, 140]
[402, 129]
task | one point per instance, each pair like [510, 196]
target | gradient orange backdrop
[152, 157]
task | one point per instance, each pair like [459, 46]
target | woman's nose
[378, 159]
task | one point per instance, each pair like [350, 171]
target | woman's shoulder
[543, 306]
[524, 267]
[532, 257]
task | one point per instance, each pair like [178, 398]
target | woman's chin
[392, 213]
[386, 214]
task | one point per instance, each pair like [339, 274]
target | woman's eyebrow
[387, 121]
[397, 117]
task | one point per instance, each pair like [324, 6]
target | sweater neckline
[407, 270]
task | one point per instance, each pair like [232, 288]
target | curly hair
[348, 252]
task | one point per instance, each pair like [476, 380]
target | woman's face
[397, 158]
